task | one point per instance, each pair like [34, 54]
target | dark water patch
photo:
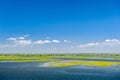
[32, 71]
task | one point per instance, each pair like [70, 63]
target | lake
[35, 71]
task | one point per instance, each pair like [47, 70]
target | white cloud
[56, 41]
[42, 42]
[67, 41]
[88, 45]
[107, 42]
[46, 41]
[112, 40]
[23, 42]
[12, 39]
[21, 38]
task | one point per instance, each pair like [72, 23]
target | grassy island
[53, 60]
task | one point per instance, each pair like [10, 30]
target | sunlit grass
[49, 57]
[84, 63]
[25, 58]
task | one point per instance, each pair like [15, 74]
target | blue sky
[61, 26]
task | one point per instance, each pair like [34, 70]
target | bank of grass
[25, 58]
[49, 57]
[84, 63]
[52, 61]
[36, 57]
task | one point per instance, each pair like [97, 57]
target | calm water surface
[34, 71]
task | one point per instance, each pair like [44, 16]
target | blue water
[33, 71]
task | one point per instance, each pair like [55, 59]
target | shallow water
[34, 71]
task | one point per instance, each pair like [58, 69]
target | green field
[52, 60]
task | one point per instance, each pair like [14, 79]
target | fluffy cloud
[20, 40]
[67, 41]
[24, 44]
[88, 45]
[56, 41]
[42, 42]
[112, 40]
[23, 40]
[107, 42]
[12, 39]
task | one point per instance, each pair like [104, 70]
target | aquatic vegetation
[77, 62]
[53, 60]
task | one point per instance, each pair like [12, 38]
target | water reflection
[33, 71]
